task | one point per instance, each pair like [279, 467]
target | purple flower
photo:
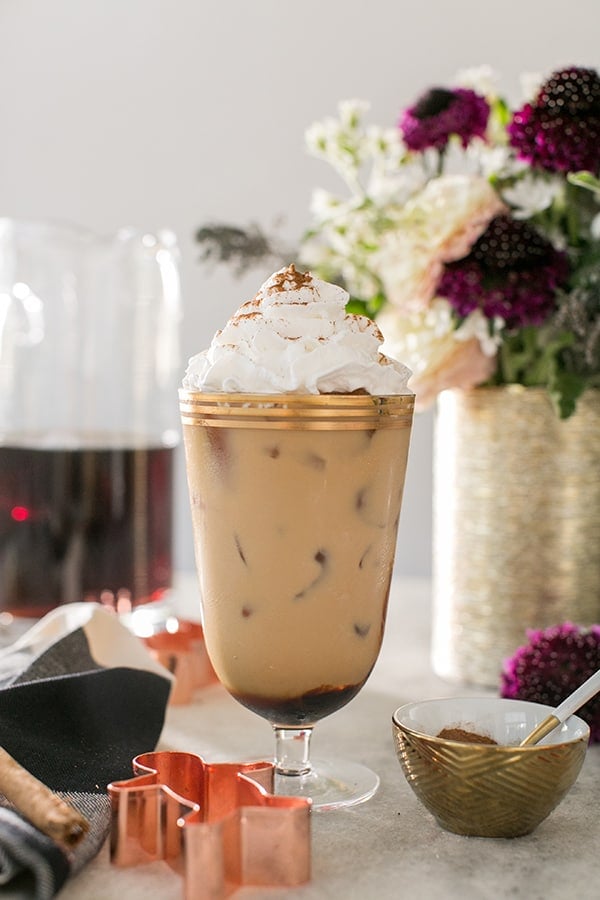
[512, 271]
[440, 113]
[553, 663]
[560, 130]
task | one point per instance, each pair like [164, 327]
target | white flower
[323, 205]
[476, 325]
[343, 243]
[386, 187]
[530, 82]
[342, 142]
[352, 111]
[482, 79]
[418, 337]
[532, 194]
[315, 138]
[438, 355]
[385, 143]
[494, 160]
[325, 137]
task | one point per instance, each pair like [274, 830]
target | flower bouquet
[471, 232]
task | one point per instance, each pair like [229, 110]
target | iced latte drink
[296, 487]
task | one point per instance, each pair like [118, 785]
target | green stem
[572, 218]
[440, 161]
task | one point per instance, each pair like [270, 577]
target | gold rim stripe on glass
[305, 411]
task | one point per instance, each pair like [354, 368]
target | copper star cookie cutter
[218, 824]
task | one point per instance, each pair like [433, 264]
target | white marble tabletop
[389, 846]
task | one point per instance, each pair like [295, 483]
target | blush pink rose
[464, 366]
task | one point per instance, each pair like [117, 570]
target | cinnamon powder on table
[465, 737]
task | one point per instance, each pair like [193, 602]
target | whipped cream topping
[295, 336]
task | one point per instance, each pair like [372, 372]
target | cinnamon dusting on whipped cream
[289, 279]
[294, 336]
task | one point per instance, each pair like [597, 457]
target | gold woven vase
[516, 524]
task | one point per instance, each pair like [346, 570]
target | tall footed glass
[295, 506]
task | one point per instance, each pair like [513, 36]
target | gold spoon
[565, 709]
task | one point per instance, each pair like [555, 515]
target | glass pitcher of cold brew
[89, 366]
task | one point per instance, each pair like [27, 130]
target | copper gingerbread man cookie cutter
[218, 824]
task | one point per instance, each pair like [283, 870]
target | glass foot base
[330, 784]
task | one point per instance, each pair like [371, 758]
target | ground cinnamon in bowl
[464, 736]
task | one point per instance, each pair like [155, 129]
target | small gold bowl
[487, 789]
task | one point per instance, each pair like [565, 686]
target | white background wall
[176, 112]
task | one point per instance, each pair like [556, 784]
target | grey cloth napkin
[80, 696]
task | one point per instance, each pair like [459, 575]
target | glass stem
[292, 751]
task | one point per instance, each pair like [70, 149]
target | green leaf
[517, 355]
[376, 304]
[584, 180]
[356, 307]
[565, 389]
[369, 308]
[502, 111]
[543, 368]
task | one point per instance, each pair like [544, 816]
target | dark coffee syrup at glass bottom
[301, 711]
